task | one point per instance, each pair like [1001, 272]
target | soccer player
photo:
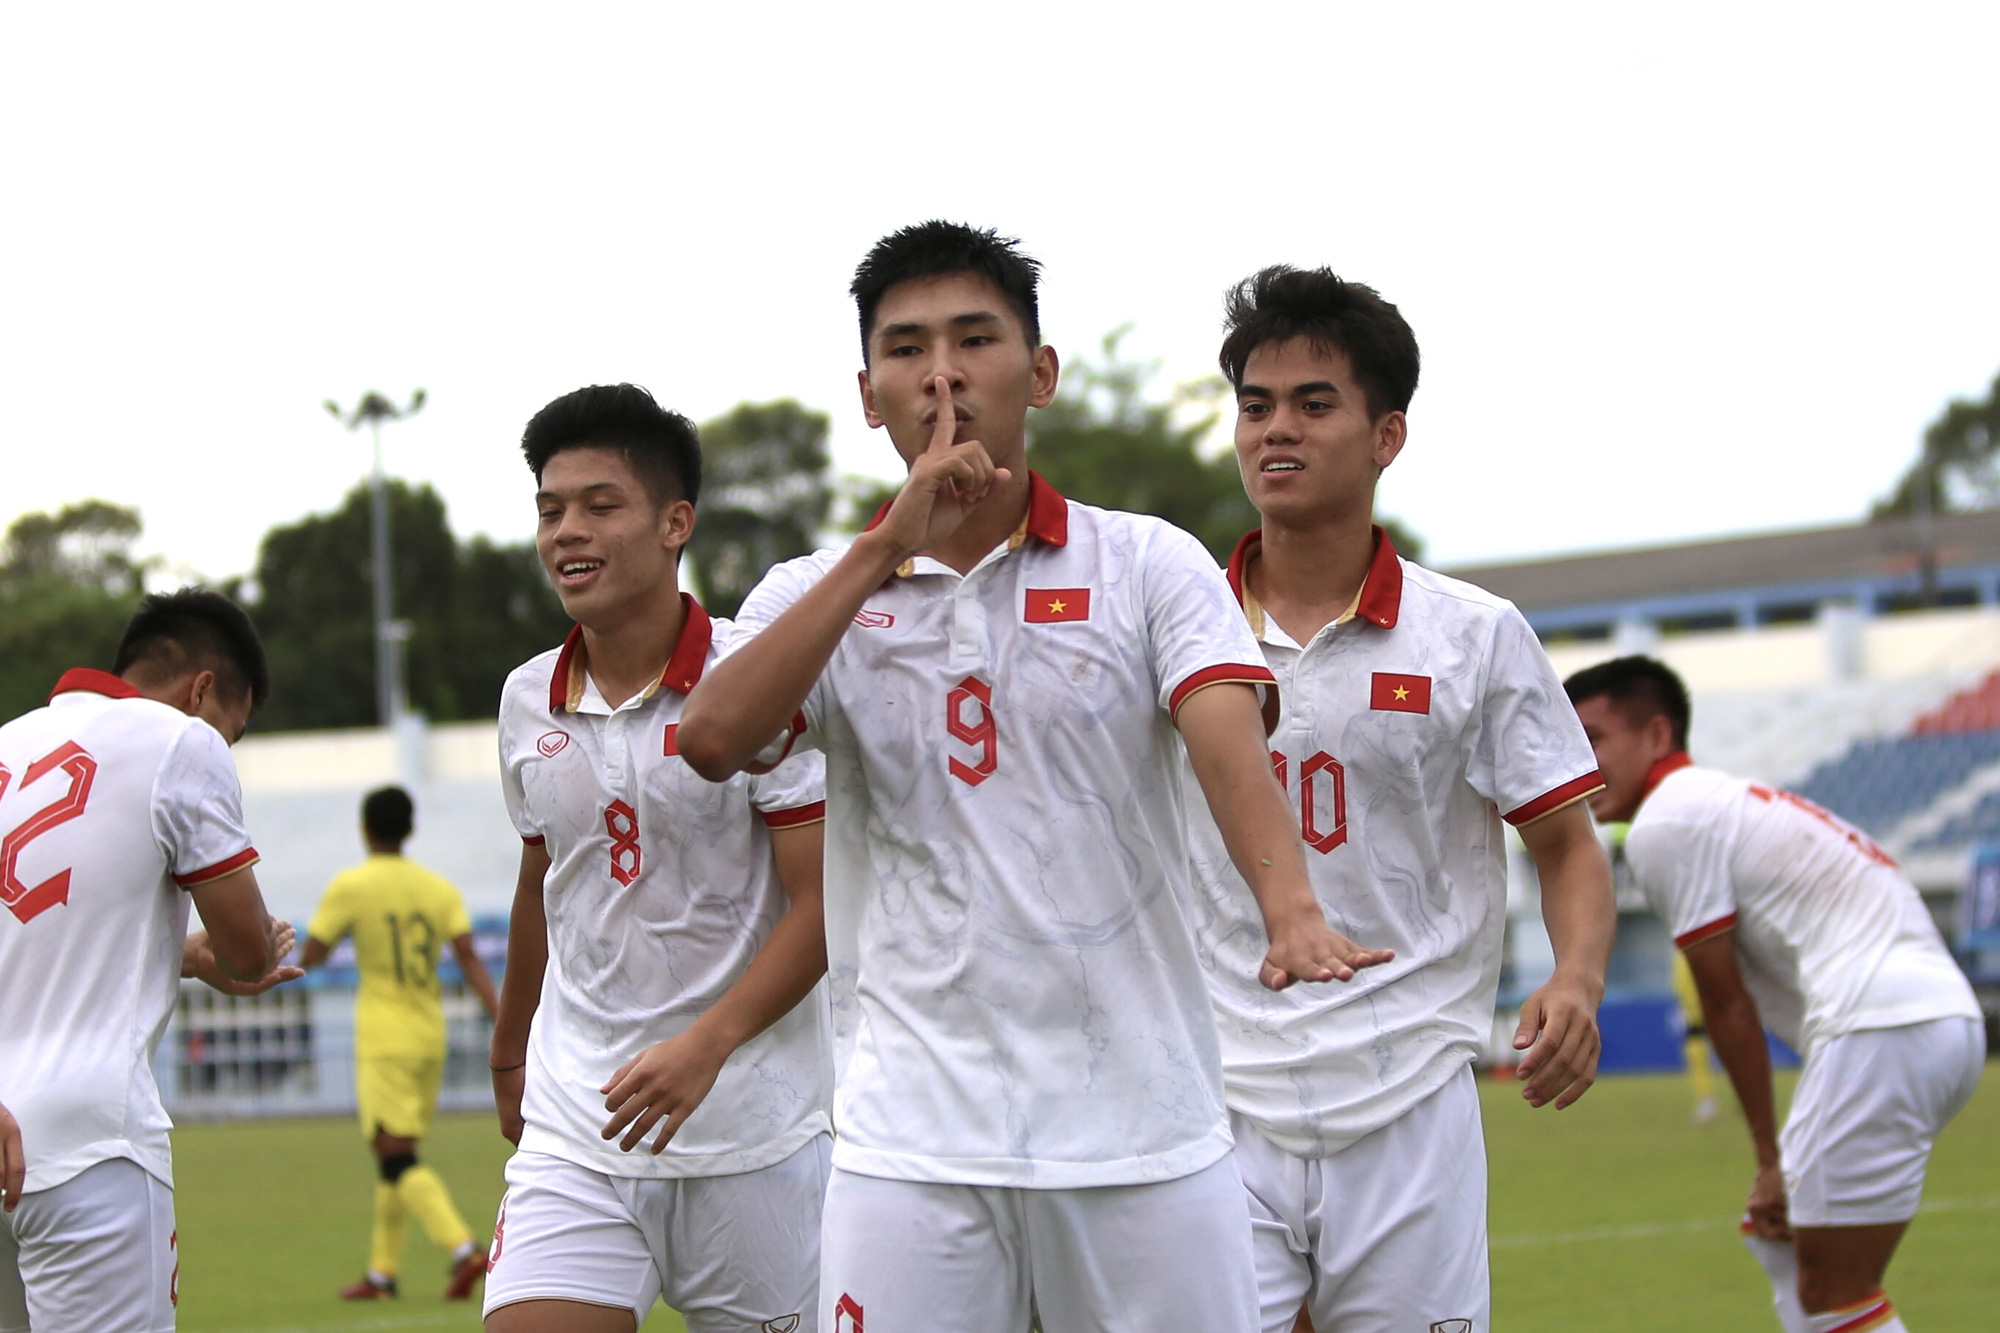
[1028, 1090]
[1793, 921]
[666, 939]
[399, 915]
[119, 807]
[1421, 717]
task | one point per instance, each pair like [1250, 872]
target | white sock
[1874, 1315]
[1780, 1264]
[465, 1248]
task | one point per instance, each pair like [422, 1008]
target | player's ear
[1391, 432]
[1048, 369]
[875, 421]
[200, 685]
[1659, 736]
[676, 524]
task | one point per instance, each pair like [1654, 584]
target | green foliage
[1960, 462]
[476, 611]
[68, 584]
[764, 497]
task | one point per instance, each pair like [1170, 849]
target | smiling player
[1028, 1087]
[665, 939]
[1420, 713]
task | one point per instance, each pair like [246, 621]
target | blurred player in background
[1419, 714]
[1029, 1092]
[119, 806]
[1791, 920]
[666, 938]
[400, 916]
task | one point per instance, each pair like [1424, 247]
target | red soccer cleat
[366, 1290]
[465, 1275]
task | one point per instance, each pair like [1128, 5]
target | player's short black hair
[1279, 303]
[196, 629]
[661, 446]
[1642, 688]
[936, 248]
[388, 814]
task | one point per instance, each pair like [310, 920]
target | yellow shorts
[399, 1096]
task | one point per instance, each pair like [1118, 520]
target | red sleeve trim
[1235, 674]
[194, 879]
[535, 841]
[1551, 801]
[1707, 932]
[797, 816]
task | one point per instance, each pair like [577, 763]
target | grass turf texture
[1618, 1213]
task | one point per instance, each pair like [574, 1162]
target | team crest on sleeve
[552, 743]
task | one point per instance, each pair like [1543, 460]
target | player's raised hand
[1314, 951]
[945, 482]
[13, 1161]
[1558, 1030]
[661, 1085]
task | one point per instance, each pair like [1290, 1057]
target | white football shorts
[1866, 1111]
[909, 1257]
[95, 1254]
[728, 1252]
[1388, 1235]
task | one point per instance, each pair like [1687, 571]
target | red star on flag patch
[1394, 693]
[1050, 606]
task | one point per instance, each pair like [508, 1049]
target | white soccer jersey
[110, 806]
[661, 888]
[1411, 728]
[1830, 936]
[1016, 1000]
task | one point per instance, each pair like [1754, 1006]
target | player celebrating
[399, 913]
[1419, 712]
[118, 805]
[665, 933]
[1791, 920]
[1028, 1087]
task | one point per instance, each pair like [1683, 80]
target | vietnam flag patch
[1049, 606]
[1393, 693]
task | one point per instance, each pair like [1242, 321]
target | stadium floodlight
[391, 693]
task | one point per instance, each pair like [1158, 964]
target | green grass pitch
[1615, 1214]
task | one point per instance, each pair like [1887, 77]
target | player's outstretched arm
[1224, 732]
[198, 961]
[665, 1082]
[1558, 1027]
[13, 1160]
[241, 936]
[1736, 1031]
[748, 699]
[520, 989]
[476, 975]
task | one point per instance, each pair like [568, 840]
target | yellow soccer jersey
[402, 917]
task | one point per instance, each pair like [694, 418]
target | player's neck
[1306, 576]
[626, 655]
[991, 522]
[384, 848]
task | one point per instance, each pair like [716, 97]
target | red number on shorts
[29, 901]
[622, 823]
[847, 1315]
[973, 690]
[1321, 779]
[1856, 839]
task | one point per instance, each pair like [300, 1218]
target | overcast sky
[1676, 270]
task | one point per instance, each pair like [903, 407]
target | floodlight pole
[391, 695]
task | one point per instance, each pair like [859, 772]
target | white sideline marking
[1648, 1230]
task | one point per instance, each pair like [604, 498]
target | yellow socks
[424, 1195]
[385, 1249]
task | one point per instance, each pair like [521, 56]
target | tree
[68, 584]
[475, 612]
[1958, 468]
[764, 497]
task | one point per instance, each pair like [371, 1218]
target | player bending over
[666, 936]
[399, 915]
[1420, 713]
[1792, 920]
[118, 806]
[1028, 1087]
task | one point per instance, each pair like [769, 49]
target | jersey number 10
[1322, 798]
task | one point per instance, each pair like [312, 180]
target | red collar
[683, 667]
[1381, 587]
[96, 682]
[1672, 763]
[1048, 513]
